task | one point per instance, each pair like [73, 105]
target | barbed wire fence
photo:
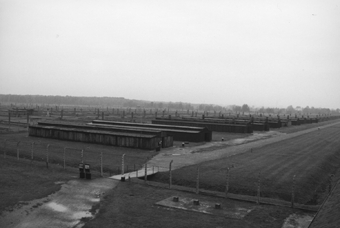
[107, 163]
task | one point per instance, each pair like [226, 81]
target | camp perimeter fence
[257, 188]
[108, 163]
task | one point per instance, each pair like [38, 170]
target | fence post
[145, 173]
[32, 151]
[82, 156]
[293, 192]
[47, 155]
[5, 144]
[258, 189]
[9, 119]
[198, 180]
[28, 121]
[64, 157]
[227, 184]
[18, 150]
[123, 164]
[170, 174]
[101, 164]
[137, 173]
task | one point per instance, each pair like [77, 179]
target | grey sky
[262, 53]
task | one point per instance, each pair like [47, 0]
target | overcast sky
[262, 53]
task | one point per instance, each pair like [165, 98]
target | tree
[269, 110]
[245, 108]
[306, 110]
[290, 109]
[236, 108]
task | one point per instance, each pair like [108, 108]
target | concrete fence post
[47, 155]
[123, 164]
[5, 144]
[293, 192]
[101, 164]
[258, 189]
[64, 158]
[198, 180]
[32, 151]
[82, 156]
[170, 174]
[9, 118]
[137, 173]
[28, 122]
[227, 184]
[145, 170]
[18, 150]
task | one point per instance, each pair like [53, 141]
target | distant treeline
[121, 102]
[102, 102]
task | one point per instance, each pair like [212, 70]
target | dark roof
[95, 131]
[146, 128]
[149, 125]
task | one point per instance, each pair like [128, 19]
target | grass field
[311, 157]
[112, 156]
[328, 216]
[117, 211]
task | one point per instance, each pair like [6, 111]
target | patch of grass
[133, 205]
[311, 157]
[134, 158]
